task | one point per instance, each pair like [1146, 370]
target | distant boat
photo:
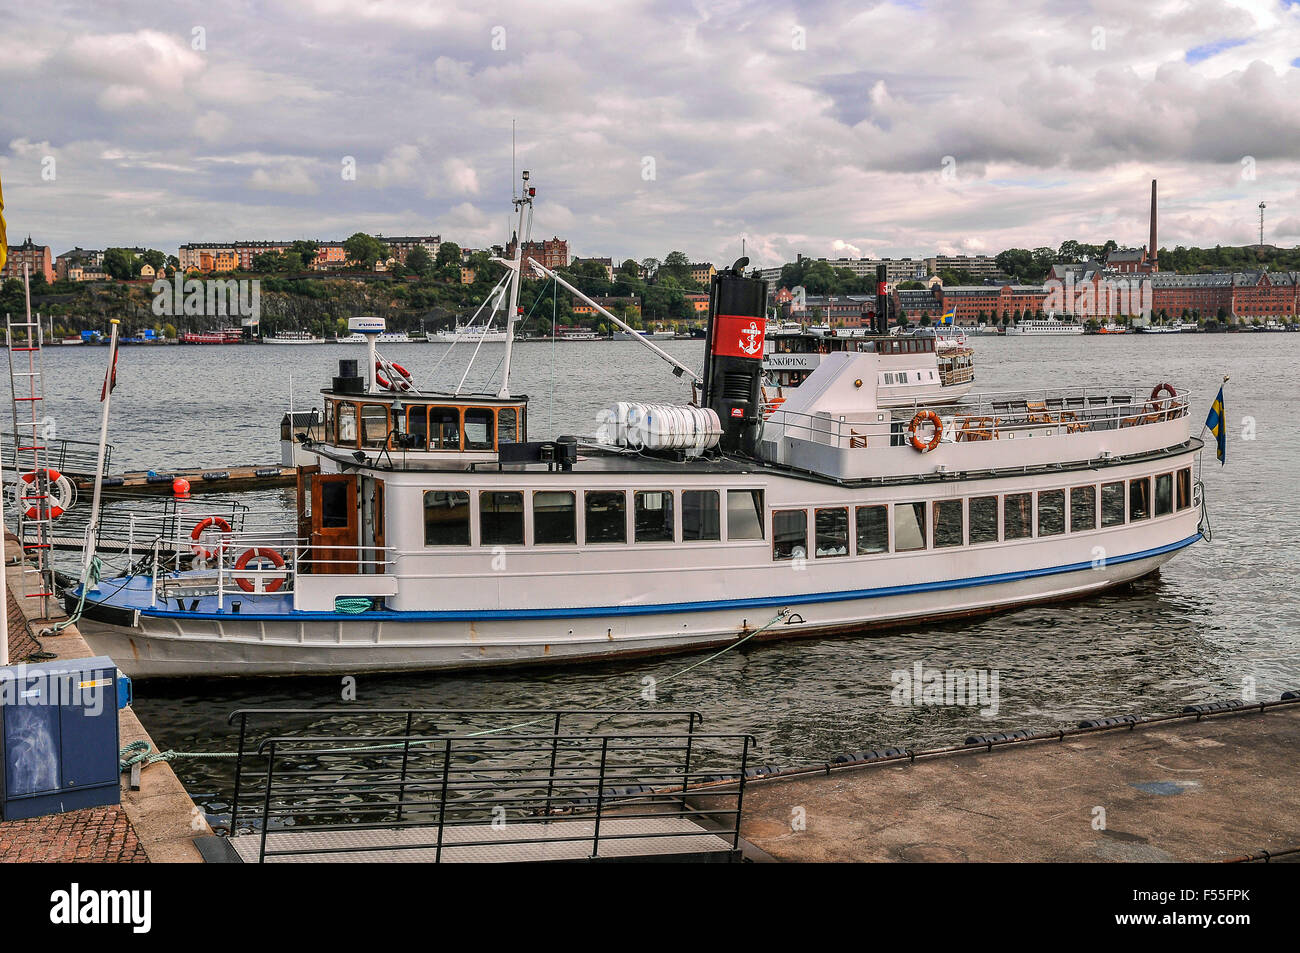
[219, 336]
[1048, 326]
[388, 337]
[464, 332]
[1112, 329]
[293, 337]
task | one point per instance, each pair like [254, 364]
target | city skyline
[893, 131]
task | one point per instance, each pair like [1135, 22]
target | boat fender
[1110, 721]
[223, 475]
[1290, 696]
[1017, 735]
[152, 477]
[61, 493]
[760, 771]
[1210, 707]
[114, 481]
[924, 446]
[261, 552]
[200, 528]
[267, 472]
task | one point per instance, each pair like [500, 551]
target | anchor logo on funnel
[753, 333]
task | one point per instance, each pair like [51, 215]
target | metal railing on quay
[73, 457]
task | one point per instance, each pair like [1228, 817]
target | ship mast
[525, 200]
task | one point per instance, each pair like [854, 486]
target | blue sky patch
[1198, 54]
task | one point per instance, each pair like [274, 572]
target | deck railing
[452, 781]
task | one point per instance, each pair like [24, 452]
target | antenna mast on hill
[1262, 206]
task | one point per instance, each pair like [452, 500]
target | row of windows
[435, 427]
[503, 516]
[947, 523]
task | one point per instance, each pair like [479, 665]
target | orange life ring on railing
[399, 383]
[1163, 408]
[920, 418]
[263, 553]
[199, 529]
[58, 505]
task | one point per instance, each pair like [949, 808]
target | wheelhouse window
[1112, 504]
[606, 516]
[1164, 494]
[652, 516]
[444, 428]
[1083, 508]
[479, 428]
[909, 527]
[554, 517]
[832, 527]
[501, 518]
[1017, 516]
[1184, 487]
[446, 518]
[700, 516]
[949, 523]
[789, 534]
[1139, 499]
[872, 529]
[983, 519]
[1051, 512]
[374, 425]
[347, 424]
[417, 425]
[745, 514]
[507, 425]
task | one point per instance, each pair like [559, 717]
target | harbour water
[1220, 619]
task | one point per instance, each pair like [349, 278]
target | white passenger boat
[466, 332]
[434, 531]
[293, 337]
[1046, 326]
[386, 337]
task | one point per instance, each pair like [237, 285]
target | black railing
[453, 782]
[129, 525]
[73, 457]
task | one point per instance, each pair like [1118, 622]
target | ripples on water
[1217, 614]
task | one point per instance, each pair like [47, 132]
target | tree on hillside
[364, 250]
[419, 261]
[448, 254]
[121, 263]
[676, 265]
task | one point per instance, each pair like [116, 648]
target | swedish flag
[948, 316]
[4, 241]
[1217, 425]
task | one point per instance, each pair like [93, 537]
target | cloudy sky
[837, 128]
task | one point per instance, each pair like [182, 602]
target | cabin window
[554, 517]
[1139, 499]
[833, 532]
[789, 534]
[745, 514]
[417, 425]
[1164, 494]
[909, 527]
[700, 516]
[1112, 504]
[652, 516]
[444, 428]
[1051, 512]
[507, 425]
[949, 525]
[347, 421]
[1083, 508]
[334, 504]
[478, 429]
[500, 518]
[1184, 488]
[606, 517]
[446, 518]
[872, 529]
[983, 519]
[1017, 516]
[374, 425]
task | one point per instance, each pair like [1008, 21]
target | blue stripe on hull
[667, 608]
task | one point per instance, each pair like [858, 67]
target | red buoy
[181, 488]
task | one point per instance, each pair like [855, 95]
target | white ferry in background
[657, 334]
[1046, 326]
[466, 332]
[387, 337]
[672, 527]
[293, 337]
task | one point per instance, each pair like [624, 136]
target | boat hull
[177, 644]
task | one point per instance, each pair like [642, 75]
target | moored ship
[435, 532]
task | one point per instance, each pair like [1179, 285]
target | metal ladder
[33, 512]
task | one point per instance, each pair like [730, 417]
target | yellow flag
[4, 240]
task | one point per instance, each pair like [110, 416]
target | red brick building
[37, 257]
[553, 253]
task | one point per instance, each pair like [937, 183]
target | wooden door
[377, 555]
[334, 524]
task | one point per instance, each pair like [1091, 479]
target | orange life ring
[921, 417]
[1164, 409]
[198, 531]
[58, 505]
[264, 553]
[400, 383]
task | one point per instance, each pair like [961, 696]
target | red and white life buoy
[401, 381]
[58, 492]
[1159, 408]
[197, 533]
[921, 417]
[259, 553]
